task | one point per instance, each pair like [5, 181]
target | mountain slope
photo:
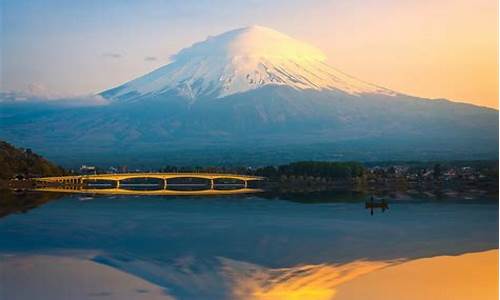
[272, 124]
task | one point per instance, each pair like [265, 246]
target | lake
[235, 247]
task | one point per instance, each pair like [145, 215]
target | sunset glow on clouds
[433, 49]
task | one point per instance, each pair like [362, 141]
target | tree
[437, 171]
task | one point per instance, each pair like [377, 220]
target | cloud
[37, 89]
[37, 93]
[150, 58]
[81, 101]
[112, 55]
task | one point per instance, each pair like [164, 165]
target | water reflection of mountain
[175, 241]
[221, 278]
[469, 276]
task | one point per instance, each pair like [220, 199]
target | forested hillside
[24, 163]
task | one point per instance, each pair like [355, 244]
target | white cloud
[39, 93]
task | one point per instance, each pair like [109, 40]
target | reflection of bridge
[118, 191]
[79, 183]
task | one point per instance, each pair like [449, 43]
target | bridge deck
[123, 176]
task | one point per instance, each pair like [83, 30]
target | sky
[427, 48]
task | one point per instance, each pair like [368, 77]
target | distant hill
[23, 162]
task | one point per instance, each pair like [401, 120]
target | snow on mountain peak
[241, 60]
[252, 42]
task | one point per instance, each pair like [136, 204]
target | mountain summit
[241, 60]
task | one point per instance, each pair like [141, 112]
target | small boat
[374, 204]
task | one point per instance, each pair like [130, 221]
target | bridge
[118, 177]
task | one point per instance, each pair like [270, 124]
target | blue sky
[81, 47]
[57, 43]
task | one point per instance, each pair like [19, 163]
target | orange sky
[435, 49]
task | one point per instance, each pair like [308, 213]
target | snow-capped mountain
[250, 96]
[241, 60]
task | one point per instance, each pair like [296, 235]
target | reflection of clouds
[463, 277]
[317, 282]
[60, 278]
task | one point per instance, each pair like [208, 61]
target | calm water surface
[229, 247]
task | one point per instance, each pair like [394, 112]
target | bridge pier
[211, 184]
[246, 183]
[118, 184]
[165, 183]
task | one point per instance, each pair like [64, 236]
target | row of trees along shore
[295, 170]
[316, 169]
